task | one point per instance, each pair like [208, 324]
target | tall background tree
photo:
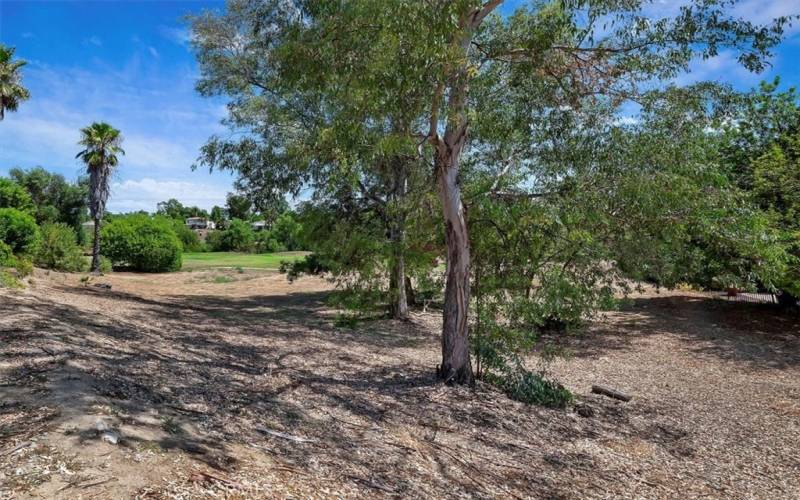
[761, 151]
[174, 209]
[238, 206]
[11, 90]
[56, 199]
[102, 144]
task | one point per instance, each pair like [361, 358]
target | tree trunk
[411, 297]
[397, 236]
[456, 366]
[397, 285]
[96, 247]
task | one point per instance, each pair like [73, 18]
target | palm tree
[11, 90]
[102, 143]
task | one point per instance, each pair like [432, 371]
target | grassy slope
[206, 260]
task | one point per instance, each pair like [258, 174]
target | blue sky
[130, 63]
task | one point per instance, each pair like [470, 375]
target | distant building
[200, 223]
[258, 225]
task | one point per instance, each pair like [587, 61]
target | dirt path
[242, 387]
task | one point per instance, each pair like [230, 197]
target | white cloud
[153, 51]
[145, 194]
[181, 36]
[154, 152]
[756, 11]
[163, 122]
[94, 40]
[724, 67]
[764, 11]
[53, 140]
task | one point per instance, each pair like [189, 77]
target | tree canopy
[55, 199]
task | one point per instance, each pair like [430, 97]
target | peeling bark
[456, 366]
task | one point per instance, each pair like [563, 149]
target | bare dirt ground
[239, 385]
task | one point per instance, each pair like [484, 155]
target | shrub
[311, 264]
[239, 237]
[6, 255]
[12, 195]
[7, 260]
[7, 280]
[286, 230]
[189, 239]
[105, 264]
[532, 388]
[18, 230]
[59, 249]
[24, 266]
[265, 242]
[214, 241]
[141, 243]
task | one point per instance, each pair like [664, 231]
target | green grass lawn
[210, 260]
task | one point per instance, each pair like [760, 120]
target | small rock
[102, 426]
[585, 411]
[111, 437]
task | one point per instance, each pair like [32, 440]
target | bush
[59, 249]
[6, 255]
[214, 241]
[311, 264]
[189, 239]
[239, 237]
[8, 280]
[286, 230]
[12, 195]
[265, 242]
[18, 230]
[24, 266]
[105, 265]
[532, 388]
[7, 260]
[141, 243]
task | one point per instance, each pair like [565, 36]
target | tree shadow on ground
[274, 374]
[759, 335]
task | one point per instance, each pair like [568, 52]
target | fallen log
[612, 393]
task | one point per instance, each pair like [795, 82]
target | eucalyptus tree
[597, 50]
[239, 206]
[317, 84]
[102, 146]
[307, 127]
[761, 150]
[11, 90]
